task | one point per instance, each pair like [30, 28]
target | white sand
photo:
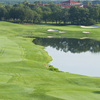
[63, 31]
[89, 26]
[50, 36]
[53, 30]
[85, 32]
[85, 38]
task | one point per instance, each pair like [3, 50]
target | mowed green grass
[23, 72]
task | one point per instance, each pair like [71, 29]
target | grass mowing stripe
[10, 51]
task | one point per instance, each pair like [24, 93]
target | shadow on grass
[97, 92]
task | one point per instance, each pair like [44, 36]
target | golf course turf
[23, 71]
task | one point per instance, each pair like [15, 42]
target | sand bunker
[63, 31]
[89, 26]
[85, 38]
[53, 30]
[50, 36]
[85, 32]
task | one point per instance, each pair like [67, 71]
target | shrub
[53, 69]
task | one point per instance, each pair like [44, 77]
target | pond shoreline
[79, 47]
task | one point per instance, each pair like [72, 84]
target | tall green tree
[74, 15]
[95, 13]
[65, 15]
[29, 15]
[2, 12]
[56, 14]
[17, 13]
[46, 13]
[37, 17]
[84, 16]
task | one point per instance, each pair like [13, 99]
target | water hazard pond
[78, 56]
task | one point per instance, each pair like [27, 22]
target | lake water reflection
[79, 56]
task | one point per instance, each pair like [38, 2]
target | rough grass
[23, 75]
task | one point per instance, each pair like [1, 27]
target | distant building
[70, 3]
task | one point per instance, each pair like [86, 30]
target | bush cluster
[53, 69]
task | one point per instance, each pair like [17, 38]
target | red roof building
[70, 3]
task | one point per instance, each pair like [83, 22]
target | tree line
[30, 1]
[35, 13]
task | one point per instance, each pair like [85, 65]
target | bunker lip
[84, 38]
[63, 31]
[53, 30]
[85, 32]
[89, 26]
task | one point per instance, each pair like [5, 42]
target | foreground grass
[23, 75]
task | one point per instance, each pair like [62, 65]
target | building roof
[70, 1]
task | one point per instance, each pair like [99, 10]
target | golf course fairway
[23, 66]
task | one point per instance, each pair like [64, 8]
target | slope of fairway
[10, 51]
[23, 72]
